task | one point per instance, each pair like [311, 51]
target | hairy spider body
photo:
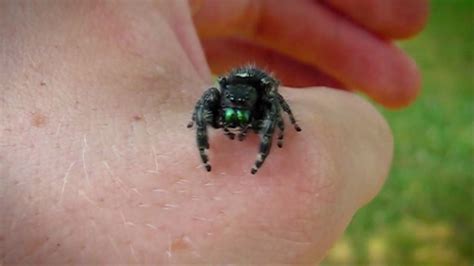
[247, 98]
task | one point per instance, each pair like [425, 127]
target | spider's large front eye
[243, 116]
[229, 115]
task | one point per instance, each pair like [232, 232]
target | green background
[424, 213]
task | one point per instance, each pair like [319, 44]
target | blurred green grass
[424, 213]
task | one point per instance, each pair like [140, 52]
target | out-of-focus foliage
[424, 214]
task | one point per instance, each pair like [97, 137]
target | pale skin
[97, 166]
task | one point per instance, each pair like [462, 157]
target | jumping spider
[247, 98]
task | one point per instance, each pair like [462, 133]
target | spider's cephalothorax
[247, 98]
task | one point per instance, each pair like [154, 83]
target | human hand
[337, 43]
[97, 166]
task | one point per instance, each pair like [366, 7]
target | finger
[224, 18]
[390, 18]
[310, 33]
[348, 53]
[224, 54]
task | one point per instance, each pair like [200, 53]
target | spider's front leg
[229, 134]
[243, 133]
[205, 114]
[266, 131]
[193, 117]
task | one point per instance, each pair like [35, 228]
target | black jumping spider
[248, 98]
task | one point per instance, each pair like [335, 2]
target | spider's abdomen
[247, 73]
[252, 76]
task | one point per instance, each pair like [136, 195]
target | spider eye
[232, 116]
[243, 116]
[229, 115]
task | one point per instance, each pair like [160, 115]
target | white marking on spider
[242, 75]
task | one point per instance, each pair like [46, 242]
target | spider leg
[203, 145]
[266, 134]
[281, 134]
[229, 134]
[243, 133]
[286, 108]
[204, 115]
[193, 117]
